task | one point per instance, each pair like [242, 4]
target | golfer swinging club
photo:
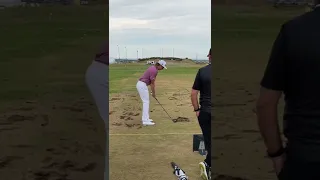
[148, 78]
[202, 84]
[97, 80]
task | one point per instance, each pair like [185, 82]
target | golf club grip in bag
[179, 172]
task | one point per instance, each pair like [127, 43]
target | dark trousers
[297, 170]
[205, 124]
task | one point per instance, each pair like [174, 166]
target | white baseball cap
[162, 63]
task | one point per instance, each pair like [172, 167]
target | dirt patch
[7, 160]
[8, 129]
[60, 161]
[131, 114]
[115, 99]
[71, 108]
[127, 114]
[181, 119]
[77, 106]
[133, 125]
[19, 118]
[126, 118]
[60, 170]
[26, 108]
[116, 124]
[172, 98]
[22, 146]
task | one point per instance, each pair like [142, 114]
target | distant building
[201, 61]
[122, 61]
[150, 62]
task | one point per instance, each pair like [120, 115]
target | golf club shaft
[163, 108]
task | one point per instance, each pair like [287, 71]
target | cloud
[160, 28]
[125, 23]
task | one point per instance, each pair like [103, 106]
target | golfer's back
[296, 63]
[149, 75]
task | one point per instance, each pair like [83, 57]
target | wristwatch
[196, 110]
[278, 153]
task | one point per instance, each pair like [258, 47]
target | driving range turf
[146, 151]
[242, 40]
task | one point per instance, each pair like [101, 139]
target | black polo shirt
[202, 83]
[294, 68]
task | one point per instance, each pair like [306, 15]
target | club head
[173, 165]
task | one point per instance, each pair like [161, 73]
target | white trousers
[97, 80]
[144, 95]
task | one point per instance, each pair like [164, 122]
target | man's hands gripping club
[153, 91]
[153, 95]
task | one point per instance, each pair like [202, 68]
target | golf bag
[179, 172]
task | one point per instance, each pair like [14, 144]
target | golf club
[165, 110]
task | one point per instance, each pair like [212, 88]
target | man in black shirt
[202, 84]
[294, 70]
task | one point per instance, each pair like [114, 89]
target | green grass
[119, 75]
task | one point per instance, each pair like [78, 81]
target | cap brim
[164, 67]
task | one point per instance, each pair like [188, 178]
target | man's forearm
[194, 101]
[269, 127]
[152, 85]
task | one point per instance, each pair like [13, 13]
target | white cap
[162, 63]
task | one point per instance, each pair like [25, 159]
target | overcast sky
[160, 28]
